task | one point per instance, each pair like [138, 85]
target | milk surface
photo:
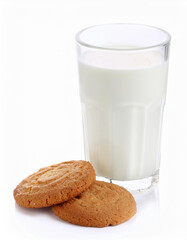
[122, 98]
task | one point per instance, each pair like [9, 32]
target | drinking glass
[123, 78]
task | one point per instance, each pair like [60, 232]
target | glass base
[135, 185]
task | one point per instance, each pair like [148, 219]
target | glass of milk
[123, 78]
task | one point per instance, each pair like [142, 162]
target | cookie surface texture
[103, 204]
[54, 184]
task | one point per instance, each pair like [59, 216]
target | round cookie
[54, 184]
[101, 205]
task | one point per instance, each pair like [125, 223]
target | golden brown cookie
[101, 205]
[54, 184]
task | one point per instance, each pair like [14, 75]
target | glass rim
[83, 43]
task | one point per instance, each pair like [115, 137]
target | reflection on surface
[148, 209]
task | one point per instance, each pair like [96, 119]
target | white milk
[122, 102]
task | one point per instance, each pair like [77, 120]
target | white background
[41, 117]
